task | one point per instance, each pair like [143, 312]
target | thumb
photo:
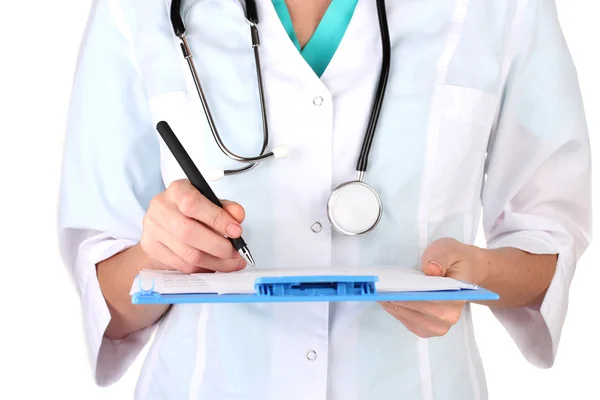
[438, 257]
[236, 210]
[433, 268]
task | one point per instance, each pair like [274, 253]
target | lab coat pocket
[457, 146]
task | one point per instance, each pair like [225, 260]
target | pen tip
[245, 253]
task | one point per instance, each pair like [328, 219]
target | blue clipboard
[313, 289]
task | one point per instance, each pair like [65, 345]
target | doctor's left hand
[444, 257]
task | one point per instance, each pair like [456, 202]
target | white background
[42, 351]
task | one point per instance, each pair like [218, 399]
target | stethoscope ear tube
[252, 162]
[176, 20]
[251, 11]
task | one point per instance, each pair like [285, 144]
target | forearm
[520, 278]
[116, 276]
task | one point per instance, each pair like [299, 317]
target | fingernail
[234, 230]
[436, 265]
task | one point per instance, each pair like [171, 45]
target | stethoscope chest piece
[354, 208]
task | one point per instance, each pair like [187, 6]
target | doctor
[463, 106]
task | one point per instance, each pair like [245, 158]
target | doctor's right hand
[185, 231]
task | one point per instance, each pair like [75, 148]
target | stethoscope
[354, 207]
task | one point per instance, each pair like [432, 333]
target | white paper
[170, 282]
[390, 279]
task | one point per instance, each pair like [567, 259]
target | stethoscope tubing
[179, 29]
[363, 159]
[252, 17]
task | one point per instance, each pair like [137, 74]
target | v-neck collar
[324, 42]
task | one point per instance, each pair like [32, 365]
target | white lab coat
[482, 111]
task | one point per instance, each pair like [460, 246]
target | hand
[444, 257]
[185, 231]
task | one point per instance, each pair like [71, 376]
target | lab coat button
[311, 355]
[316, 227]
[317, 101]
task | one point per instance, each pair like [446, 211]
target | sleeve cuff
[536, 330]
[109, 359]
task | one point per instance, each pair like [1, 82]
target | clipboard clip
[146, 291]
[297, 286]
[146, 294]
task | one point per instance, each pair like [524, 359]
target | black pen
[197, 180]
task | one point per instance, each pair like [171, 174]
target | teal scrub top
[321, 47]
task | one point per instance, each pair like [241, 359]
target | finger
[170, 260]
[219, 265]
[418, 323]
[199, 258]
[193, 205]
[440, 256]
[446, 311]
[175, 227]
[235, 210]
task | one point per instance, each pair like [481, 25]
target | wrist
[484, 266]
[143, 260]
